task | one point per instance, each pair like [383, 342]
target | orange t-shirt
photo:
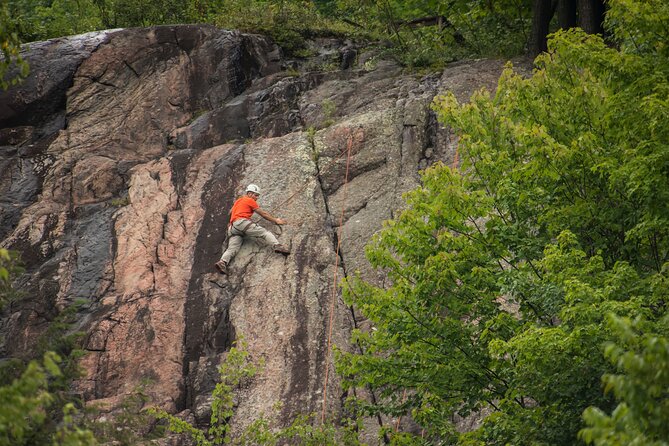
[243, 208]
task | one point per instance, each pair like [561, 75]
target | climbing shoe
[281, 249]
[222, 267]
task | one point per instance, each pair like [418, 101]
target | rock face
[120, 158]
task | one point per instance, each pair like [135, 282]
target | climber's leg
[234, 243]
[257, 231]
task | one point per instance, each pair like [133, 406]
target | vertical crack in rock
[330, 217]
[408, 142]
[335, 238]
[179, 162]
[216, 199]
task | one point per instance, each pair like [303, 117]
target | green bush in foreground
[24, 409]
[34, 408]
[233, 371]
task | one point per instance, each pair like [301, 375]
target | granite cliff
[120, 157]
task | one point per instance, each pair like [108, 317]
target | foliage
[45, 19]
[10, 58]
[70, 433]
[421, 33]
[288, 22]
[233, 371]
[129, 13]
[9, 268]
[120, 201]
[23, 401]
[24, 404]
[303, 431]
[35, 405]
[429, 33]
[329, 109]
[503, 271]
[642, 360]
[129, 425]
[235, 368]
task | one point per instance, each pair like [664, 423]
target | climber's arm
[267, 216]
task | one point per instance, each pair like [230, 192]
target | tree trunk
[591, 15]
[566, 12]
[541, 18]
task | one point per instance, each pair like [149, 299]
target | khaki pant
[245, 228]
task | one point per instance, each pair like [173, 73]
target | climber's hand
[280, 221]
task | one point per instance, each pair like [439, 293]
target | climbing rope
[319, 172]
[334, 279]
[399, 418]
[307, 181]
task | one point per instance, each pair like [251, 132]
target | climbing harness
[241, 228]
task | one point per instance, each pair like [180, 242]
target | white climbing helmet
[253, 188]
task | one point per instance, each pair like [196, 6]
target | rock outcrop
[120, 157]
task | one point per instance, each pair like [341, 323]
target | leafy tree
[421, 33]
[66, 18]
[58, 342]
[430, 33]
[24, 408]
[641, 386]
[503, 271]
[22, 402]
[9, 268]
[232, 371]
[129, 424]
[33, 394]
[42, 19]
[129, 13]
[288, 22]
[11, 56]
[587, 14]
[70, 433]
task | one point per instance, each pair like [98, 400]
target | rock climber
[241, 225]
